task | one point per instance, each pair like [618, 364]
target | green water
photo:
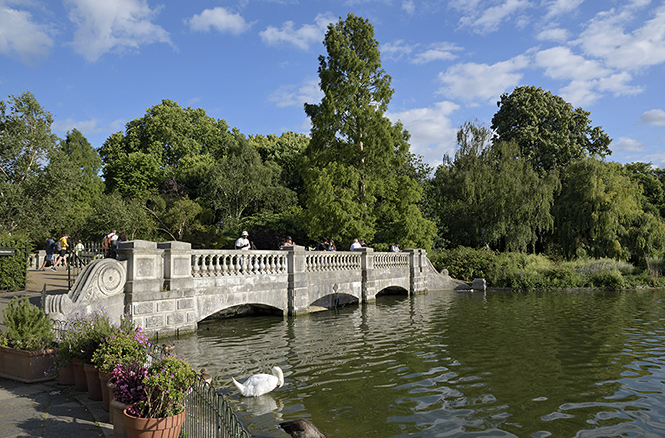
[447, 364]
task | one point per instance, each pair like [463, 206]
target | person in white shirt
[355, 245]
[243, 241]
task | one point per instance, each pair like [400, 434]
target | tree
[596, 208]
[353, 166]
[25, 144]
[285, 151]
[240, 184]
[477, 194]
[549, 132]
[85, 164]
[651, 182]
[152, 147]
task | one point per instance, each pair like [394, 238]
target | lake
[451, 364]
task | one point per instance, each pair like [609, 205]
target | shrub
[464, 263]
[28, 327]
[123, 347]
[14, 268]
[86, 332]
[166, 385]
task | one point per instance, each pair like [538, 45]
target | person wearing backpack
[109, 244]
[50, 248]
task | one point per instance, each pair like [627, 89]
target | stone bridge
[167, 288]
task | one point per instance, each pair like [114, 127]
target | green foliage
[25, 144]
[241, 184]
[475, 195]
[152, 147]
[28, 327]
[168, 382]
[464, 263]
[353, 167]
[85, 334]
[121, 347]
[14, 268]
[550, 133]
[596, 209]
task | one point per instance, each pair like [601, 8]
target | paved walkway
[47, 409]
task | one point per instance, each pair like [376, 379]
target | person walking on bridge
[243, 241]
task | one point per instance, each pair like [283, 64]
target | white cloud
[113, 25]
[555, 34]
[301, 38]
[654, 117]
[437, 52]
[409, 7]
[588, 78]
[219, 19]
[21, 36]
[396, 50]
[473, 81]
[292, 95]
[556, 8]
[626, 144]
[490, 18]
[562, 63]
[432, 133]
[627, 50]
[85, 127]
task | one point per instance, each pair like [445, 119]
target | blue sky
[97, 64]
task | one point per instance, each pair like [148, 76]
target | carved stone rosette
[100, 285]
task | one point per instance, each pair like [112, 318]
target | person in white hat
[243, 241]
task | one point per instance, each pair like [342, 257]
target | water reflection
[451, 364]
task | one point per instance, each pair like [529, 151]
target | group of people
[57, 254]
[57, 250]
[244, 243]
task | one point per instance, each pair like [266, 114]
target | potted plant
[167, 383]
[127, 378]
[121, 347]
[85, 334]
[26, 347]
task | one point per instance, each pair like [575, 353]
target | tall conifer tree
[353, 169]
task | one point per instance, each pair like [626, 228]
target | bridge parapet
[391, 259]
[316, 261]
[212, 262]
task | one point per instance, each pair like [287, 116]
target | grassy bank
[527, 271]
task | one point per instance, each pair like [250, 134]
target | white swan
[260, 384]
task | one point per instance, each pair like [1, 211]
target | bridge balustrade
[318, 261]
[391, 260]
[231, 262]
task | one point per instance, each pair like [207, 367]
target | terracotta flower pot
[168, 427]
[94, 385]
[27, 366]
[104, 378]
[118, 408]
[80, 382]
[66, 375]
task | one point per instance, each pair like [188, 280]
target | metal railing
[210, 415]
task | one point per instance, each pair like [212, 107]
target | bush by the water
[528, 271]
